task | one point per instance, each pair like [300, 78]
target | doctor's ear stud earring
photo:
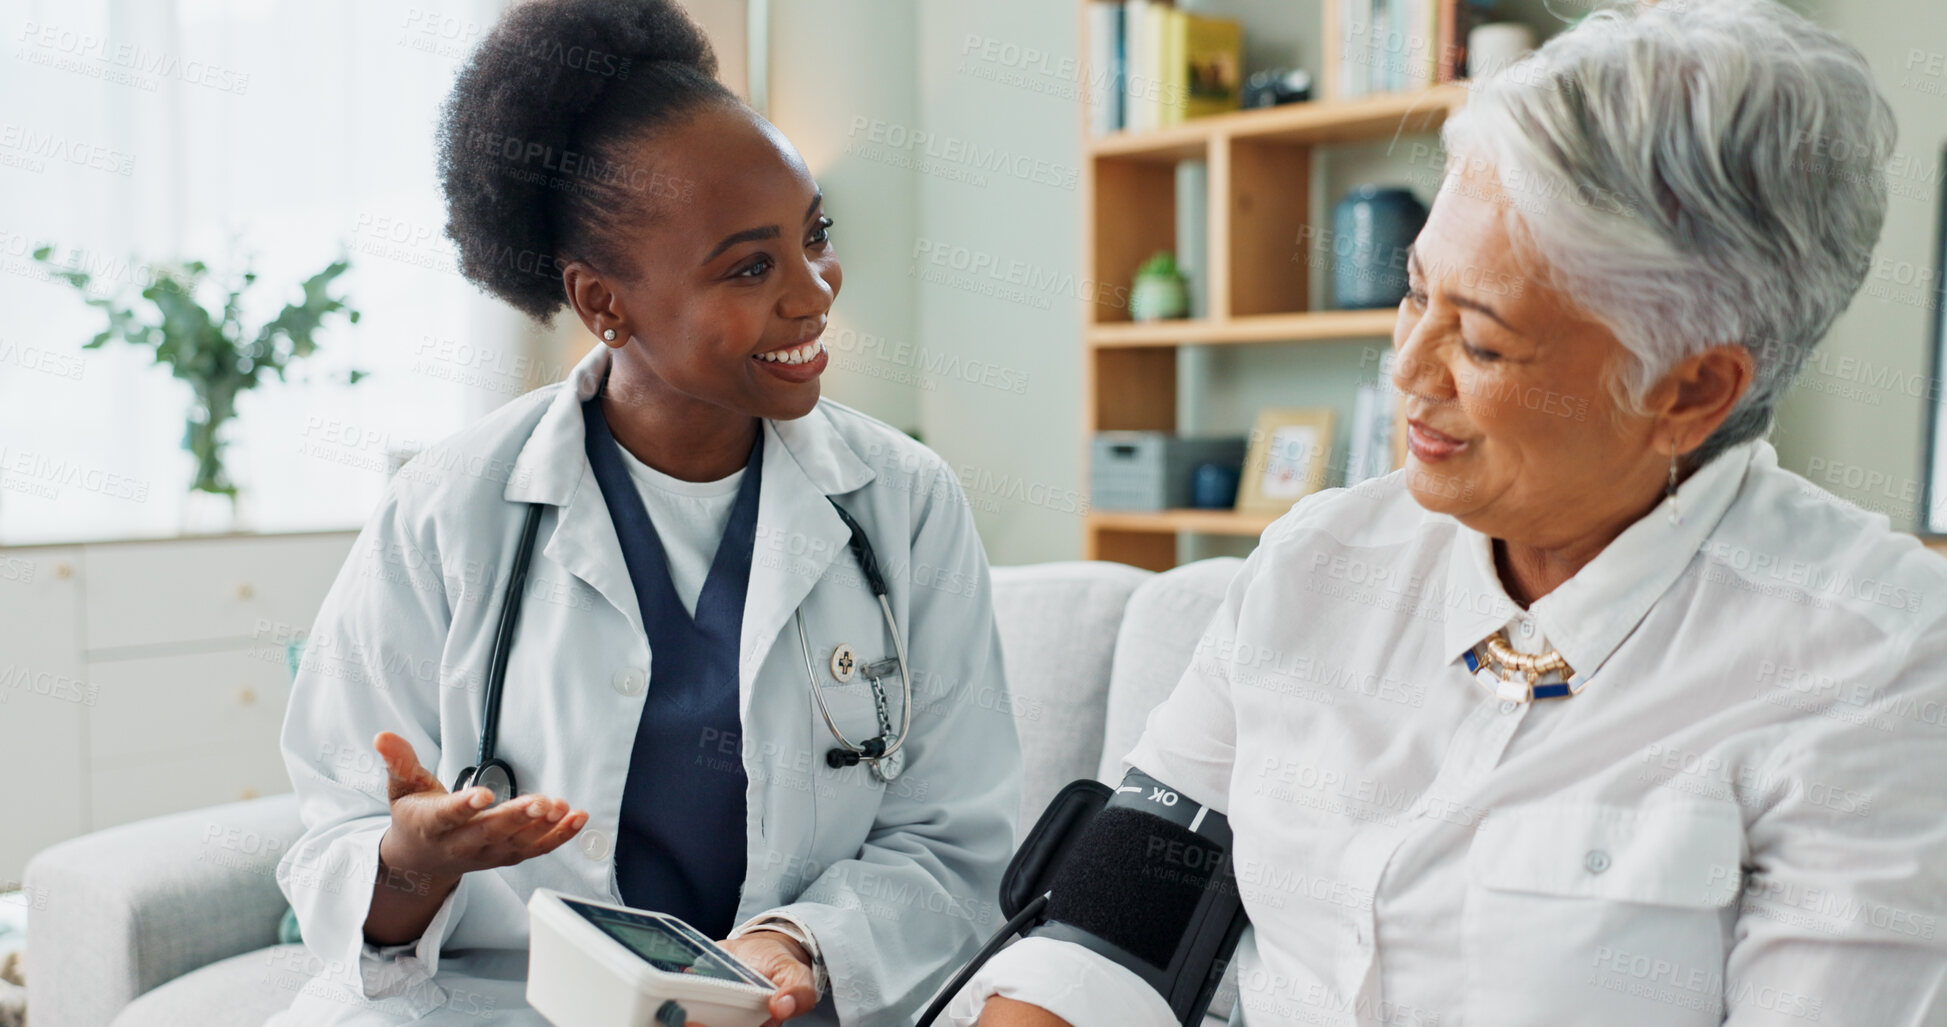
[608, 335]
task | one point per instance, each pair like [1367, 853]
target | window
[277, 135]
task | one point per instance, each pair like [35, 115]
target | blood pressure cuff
[1032, 871]
[1147, 883]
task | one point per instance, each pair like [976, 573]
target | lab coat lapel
[553, 468]
[585, 543]
[799, 535]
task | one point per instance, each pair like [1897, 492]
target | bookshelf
[1259, 195]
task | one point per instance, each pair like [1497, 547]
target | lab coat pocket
[1579, 912]
[848, 797]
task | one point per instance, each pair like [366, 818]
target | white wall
[837, 64]
[832, 63]
[996, 263]
[1855, 422]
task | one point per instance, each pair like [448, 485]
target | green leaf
[1161, 263]
[205, 348]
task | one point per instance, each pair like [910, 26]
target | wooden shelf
[1305, 124]
[1206, 522]
[1259, 328]
[1263, 239]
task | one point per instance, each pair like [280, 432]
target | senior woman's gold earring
[1670, 492]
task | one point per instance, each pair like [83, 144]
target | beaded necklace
[1516, 676]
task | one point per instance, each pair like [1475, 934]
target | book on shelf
[1449, 43]
[1193, 232]
[1395, 45]
[1105, 66]
[1385, 39]
[1354, 45]
[1457, 18]
[1139, 73]
[1205, 74]
[1153, 65]
[1153, 100]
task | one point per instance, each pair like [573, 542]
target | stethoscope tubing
[510, 615]
[905, 687]
[510, 611]
[905, 680]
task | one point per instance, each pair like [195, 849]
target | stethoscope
[881, 753]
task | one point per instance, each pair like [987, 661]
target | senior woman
[1593, 714]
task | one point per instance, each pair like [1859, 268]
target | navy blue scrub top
[680, 849]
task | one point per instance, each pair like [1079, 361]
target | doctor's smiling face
[730, 273]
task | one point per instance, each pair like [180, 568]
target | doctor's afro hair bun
[534, 141]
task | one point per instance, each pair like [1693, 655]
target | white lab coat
[897, 883]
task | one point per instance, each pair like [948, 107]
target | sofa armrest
[129, 908]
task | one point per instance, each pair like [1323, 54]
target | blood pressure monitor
[591, 964]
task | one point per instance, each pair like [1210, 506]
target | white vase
[1155, 297]
[1494, 46]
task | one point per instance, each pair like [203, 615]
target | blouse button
[1596, 861]
[594, 844]
[1510, 706]
[628, 682]
[1527, 629]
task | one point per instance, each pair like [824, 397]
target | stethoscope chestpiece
[838, 757]
[494, 775]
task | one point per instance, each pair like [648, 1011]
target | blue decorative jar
[1214, 486]
[1371, 230]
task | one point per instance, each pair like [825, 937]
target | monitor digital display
[661, 944]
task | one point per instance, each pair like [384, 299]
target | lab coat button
[594, 844]
[629, 681]
[1596, 861]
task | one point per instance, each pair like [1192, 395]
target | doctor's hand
[442, 835]
[788, 966]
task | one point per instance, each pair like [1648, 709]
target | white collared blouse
[1741, 817]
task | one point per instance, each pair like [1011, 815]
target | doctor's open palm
[436, 836]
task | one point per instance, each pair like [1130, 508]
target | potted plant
[1159, 290]
[209, 347]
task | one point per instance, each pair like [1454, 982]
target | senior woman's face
[1511, 428]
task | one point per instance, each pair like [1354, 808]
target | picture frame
[1932, 519]
[1289, 452]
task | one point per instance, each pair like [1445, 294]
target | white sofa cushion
[1160, 628]
[241, 991]
[1058, 629]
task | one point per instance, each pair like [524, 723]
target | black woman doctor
[659, 707]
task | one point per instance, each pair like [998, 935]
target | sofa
[173, 921]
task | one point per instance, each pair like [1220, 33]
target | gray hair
[1694, 173]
